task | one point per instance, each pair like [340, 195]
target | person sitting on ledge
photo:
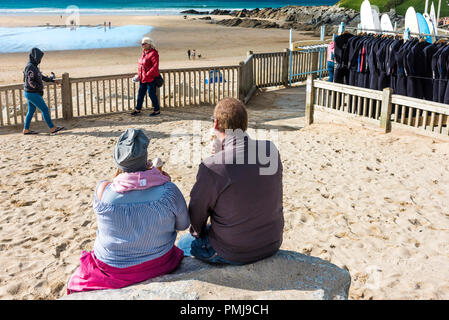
[138, 215]
[240, 189]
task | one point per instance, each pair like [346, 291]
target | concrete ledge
[286, 275]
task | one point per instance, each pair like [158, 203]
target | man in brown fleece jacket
[240, 189]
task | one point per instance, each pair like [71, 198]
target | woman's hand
[166, 174]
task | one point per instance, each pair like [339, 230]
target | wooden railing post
[249, 72]
[66, 97]
[242, 81]
[285, 67]
[385, 112]
[315, 64]
[310, 94]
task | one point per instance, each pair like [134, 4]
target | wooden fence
[380, 107]
[77, 97]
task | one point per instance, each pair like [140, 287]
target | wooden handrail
[418, 103]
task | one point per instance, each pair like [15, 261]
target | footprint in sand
[85, 223]
[60, 249]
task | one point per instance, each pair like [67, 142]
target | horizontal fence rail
[269, 69]
[358, 101]
[86, 96]
[14, 107]
[426, 115]
[381, 107]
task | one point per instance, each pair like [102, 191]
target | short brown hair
[231, 113]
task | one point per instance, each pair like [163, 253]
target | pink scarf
[140, 180]
[92, 274]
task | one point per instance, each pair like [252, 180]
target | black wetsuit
[341, 58]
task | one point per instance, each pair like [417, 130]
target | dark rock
[301, 18]
[191, 11]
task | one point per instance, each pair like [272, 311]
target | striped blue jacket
[138, 226]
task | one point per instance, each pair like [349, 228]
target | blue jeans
[201, 248]
[35, 100]
[151, 88]
[330, 69]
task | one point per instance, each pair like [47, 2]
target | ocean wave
[127, 11]
[22, 39]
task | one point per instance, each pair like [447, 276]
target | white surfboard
[433, 18]
[411, 21]
[366, 16]
[385, 23]
[429, 23]
[376, 19]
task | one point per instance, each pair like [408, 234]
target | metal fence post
[66, 97]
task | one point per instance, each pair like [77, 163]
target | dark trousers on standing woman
[151, 88]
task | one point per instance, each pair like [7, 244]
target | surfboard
[375, 19]
[366, 16]
[385, 23]
[423, 26]
[433, 18]
[411, 20]
[429, 23]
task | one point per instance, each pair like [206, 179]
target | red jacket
[148, 66]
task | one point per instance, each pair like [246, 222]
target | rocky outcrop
[303, 18]
[286, 275]
[248, 23]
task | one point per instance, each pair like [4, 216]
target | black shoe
[155, 113]
[135, 113]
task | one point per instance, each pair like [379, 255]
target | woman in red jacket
[148, 71]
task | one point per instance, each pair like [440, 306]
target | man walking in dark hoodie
[34, 91]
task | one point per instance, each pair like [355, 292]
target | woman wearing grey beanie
[138, 216]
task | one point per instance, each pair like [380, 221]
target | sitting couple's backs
[140, 212]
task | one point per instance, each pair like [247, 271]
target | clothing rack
[342, 28]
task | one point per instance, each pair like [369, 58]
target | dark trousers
[151, 88]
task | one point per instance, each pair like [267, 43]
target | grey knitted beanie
[130, 153]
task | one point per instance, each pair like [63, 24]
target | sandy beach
[173, 35]
[373, 203]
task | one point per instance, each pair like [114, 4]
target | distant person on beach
[188, 53]
[138, 216]
[33, 88]
[242, 201]
[193, 54]
[331, 60]
[148, 72]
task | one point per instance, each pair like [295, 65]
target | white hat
[148, 40]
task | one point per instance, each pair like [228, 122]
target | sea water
[143, 6]
[69, 38]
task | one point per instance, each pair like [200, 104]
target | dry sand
[173, 35]
[376, 204]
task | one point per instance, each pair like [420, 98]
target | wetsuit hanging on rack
[443, 73]
[415, 69]
[391, 66]
[341, 53]
[383, 80]
[428, 52]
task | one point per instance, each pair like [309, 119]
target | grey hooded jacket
[32, 76]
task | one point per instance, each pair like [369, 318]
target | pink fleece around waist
[93, 274]
[138, 180]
